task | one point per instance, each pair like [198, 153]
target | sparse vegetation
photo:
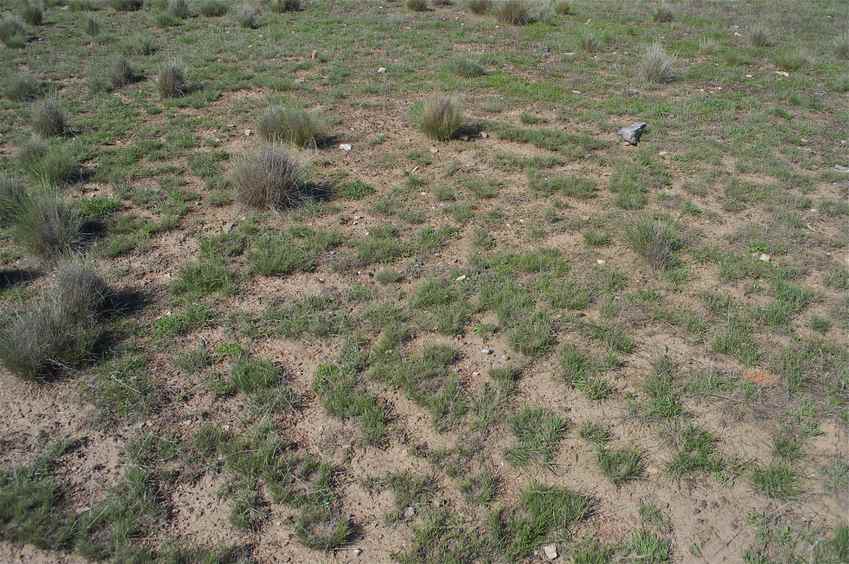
[368, 264]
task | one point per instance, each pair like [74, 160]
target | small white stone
[345, 147]
[550, 551]
[487, 351]
[460, 278]
[248, 132]
[409, 512]
[763, 257]
[381, 70]
[600, 261]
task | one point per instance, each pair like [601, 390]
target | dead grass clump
[656, 65]
[442, 117]
[178, 9]
[290, 125]
[479, 7]
[760, 37]
[121, 73]
[657, 241]
[48, 119]
[267, 178]
[32, 13]
[281, 6]
[22, 88]
[45, 224]
[513, 12]
[841, 45]
[127, 5]
[663, 14]
[12, 198]
[60, 331]
[172, 80]
[13, 34]
[417, 5]
[248, 16]
[213, 8]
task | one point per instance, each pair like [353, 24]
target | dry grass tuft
[657, 65]
[267, 178]
[442, 117]
[290, 125]
[172, 80]
[48, 118]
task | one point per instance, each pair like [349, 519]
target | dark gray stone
[632, 133]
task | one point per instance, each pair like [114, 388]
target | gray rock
[632, 133]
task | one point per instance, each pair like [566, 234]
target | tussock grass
[22, 88]
[178, 9]
[13, 34]
[417, 5]
[127, 5]
[92, 27]
[267, 178]
[48, 117]
[542, 511]
[538, 434]
[121, 73]
[841, 45]
[479, 7]
[172, 80]
[663, 14]
[42, 221]
[60, 330]
[657, 241]
[49, 163]
[213, 8]
[281, 6]
[13, 197]
[513, 12]
[32, 12]
[657, 65]
[442, 117]
[290, 125]
[467, 68]
[759, 36]
[248, 16]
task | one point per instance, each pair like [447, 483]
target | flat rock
[632, 133]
